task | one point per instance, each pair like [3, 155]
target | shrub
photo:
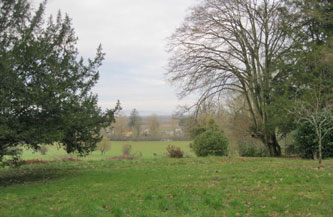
[306, 141]
[210, 142]
[174, 152]
[127, 149]
[43, 150]
[291, 150]
[200, 128]
[252, 150]
[11, 157]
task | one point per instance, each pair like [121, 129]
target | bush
[210, 142]
[43, 150]
[14, 159]
[291, 150]
[306, 141]
[127, 149]
[252, 150]
[174, 152]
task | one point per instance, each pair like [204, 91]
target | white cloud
[133, 34]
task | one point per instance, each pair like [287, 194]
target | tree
[174, 123]
[120, 127]
[311, 64]
[154, 126]
[45, 88]
[237, 46]
[104, 146]
[314, 118]
[311, 59]
[134, 122]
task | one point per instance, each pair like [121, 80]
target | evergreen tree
[45, 88]
[135, 122]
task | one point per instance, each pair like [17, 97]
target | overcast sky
[133, 35]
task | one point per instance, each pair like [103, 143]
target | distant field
[164, 187]
[148, 149]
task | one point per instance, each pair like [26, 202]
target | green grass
[148, 149]
[191, 187]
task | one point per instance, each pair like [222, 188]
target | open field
[210, 186]
[146, 148]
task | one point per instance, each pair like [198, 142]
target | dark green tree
[45, 88]
[311, 59]
[309, 65]
[134, 122]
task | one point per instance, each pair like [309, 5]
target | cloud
[133, 34]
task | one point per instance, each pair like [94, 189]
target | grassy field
[191, 187]
[148, 149]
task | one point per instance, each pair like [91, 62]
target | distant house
[179, 131]
[129, 134]
[146, 132]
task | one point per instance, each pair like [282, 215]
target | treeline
[145, 128]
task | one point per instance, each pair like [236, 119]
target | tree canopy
[271, 53]
[232, 45]
[45, 87]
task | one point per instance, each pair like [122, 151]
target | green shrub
[210, 142]
[306, 141]
[248, 149]
[253, 152]
[174, 152]
[11, 157]
[291, 150]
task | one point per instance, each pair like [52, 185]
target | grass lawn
[169, 187]
[148, 149]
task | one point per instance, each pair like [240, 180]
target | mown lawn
[169, 187]
[147, 150]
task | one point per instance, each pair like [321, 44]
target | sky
[133, 34]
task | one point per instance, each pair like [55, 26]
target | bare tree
[317, 112]
[232, 45]
[104, 145]
[120, 127]
[154, 125]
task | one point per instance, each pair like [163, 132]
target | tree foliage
[45, 88]
[311, 59]
[315, 133]
[311, 64]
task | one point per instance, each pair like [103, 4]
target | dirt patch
[38, 161]
[124, 157]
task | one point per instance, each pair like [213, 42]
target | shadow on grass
[34, 174]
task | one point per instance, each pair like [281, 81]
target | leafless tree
[232, 45]
[317, 114]
[154, 125]
[322, 124]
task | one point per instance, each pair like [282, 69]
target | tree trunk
[273, 145]
[320, 152]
